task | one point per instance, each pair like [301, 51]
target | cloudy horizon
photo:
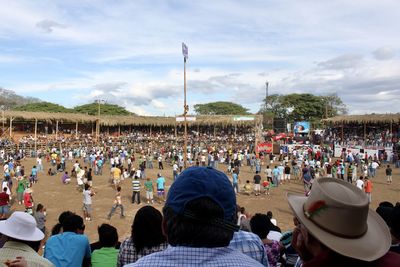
[129, 52]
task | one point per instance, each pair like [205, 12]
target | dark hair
[73, 223]
[146, 228]
[108, 235]
[269, 214]
[87, 186]
[192, 232]
[386, 204]
[57, 228]
[39, 207]
[259, 225]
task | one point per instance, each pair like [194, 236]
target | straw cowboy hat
[337, 214]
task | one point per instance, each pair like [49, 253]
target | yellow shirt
[117, 173]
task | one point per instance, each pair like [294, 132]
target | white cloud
[384, 53]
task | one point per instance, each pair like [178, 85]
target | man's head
[108, 235]
[324, 221]
[200, 210]
[73, 223]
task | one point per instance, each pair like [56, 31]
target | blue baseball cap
[198, 182]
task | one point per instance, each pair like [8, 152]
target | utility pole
[266, 95]
[185, 106]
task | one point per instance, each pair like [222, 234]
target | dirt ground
[57, 197]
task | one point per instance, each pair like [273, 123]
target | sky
[130, 52]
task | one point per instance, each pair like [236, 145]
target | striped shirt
[135, 185]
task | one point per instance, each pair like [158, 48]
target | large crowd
[201, 223]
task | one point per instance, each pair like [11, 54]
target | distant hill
[90, 109]
[44, 107]
[10, 100]
[105, 109]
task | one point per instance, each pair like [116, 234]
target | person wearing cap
[325, 236]
[199, 222]
[23, 240]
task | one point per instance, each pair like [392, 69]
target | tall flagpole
[185, 106]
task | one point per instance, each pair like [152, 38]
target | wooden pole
[235, 130]
[185, 110]
[11, 120]
[215, 131]
[342, 135]
[76, 130]
[119, 130]
[36, 121]
[365, 132]
[391, 130]
[56, 129]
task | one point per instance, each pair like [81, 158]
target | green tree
[43, 107]
[105, 109]
[296, 107]
[220, 108]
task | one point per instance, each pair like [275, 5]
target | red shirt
[28, 200]
[4, 198]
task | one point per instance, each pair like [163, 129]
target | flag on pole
[185, 51]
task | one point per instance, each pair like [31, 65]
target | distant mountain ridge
[10, 100]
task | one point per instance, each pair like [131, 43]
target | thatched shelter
[388, 121]
[227, 120]
[367, 118]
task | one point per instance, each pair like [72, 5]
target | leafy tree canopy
[43, 107]
[296, 107]
[105, 109]
[220, 108]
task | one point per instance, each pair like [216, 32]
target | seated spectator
[23, 240]
[259, 226]
[326, 237]
[199, 221]
[107, 255]
[146, 236]
[71, 247]
[248, 188]
[391, 215]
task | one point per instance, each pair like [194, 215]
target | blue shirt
[189, 256]
[249, 244]
[160, 182]
[67, 249]
[235, 178]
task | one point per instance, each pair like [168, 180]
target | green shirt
[105, 257]
[149, 186]
[22, 185]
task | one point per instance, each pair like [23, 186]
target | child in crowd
[247, 188]
[267, 185]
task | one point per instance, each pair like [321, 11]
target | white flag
[184, 51]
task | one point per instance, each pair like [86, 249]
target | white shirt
[360, 184]
[274, 235]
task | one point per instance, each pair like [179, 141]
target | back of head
[73, 223]
[259, 225]
[201, 209]
[108, 235]
[57, 228]
[147, 229]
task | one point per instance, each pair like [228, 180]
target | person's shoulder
[390, 259]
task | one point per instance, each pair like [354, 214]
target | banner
[243, 118]
[179, 119]
[301, 127]
[264, 147]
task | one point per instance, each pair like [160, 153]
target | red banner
[264, 147]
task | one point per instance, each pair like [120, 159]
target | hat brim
[5, 229]
[367, 247]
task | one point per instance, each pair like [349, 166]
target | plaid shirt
[189, 256]
[128, 254]
[249, 244]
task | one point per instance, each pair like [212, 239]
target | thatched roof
[132, 120]
[367, 118]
